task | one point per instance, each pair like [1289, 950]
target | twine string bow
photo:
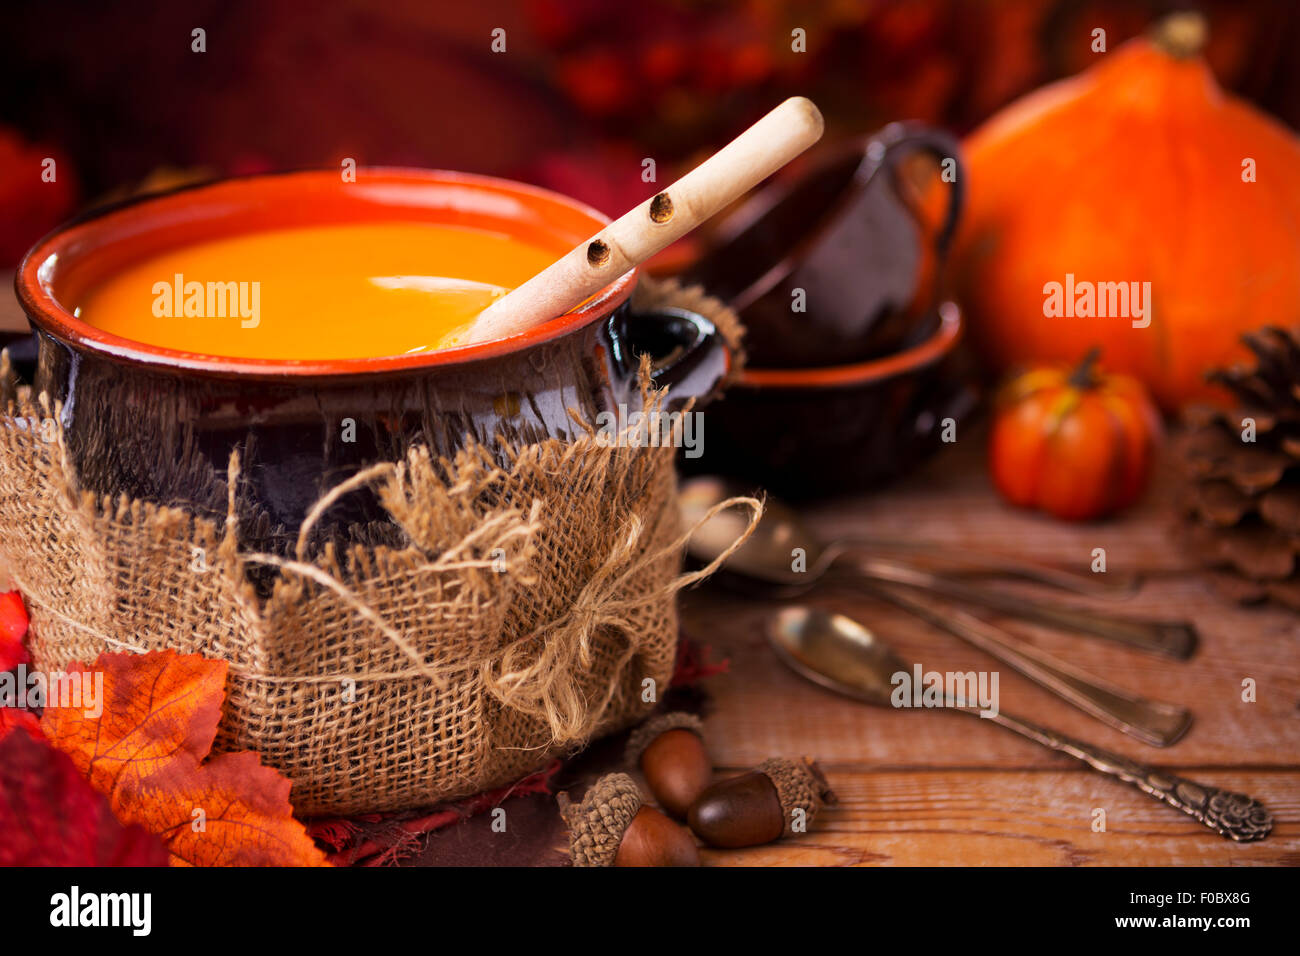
[542, 675]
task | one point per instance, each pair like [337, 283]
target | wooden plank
[951, 500]
[1031, 818]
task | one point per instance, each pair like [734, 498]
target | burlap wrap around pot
[532, 601]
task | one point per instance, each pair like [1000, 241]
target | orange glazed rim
[937, 346]
[75, 256]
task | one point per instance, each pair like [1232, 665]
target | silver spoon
[838, 653]
[766, 556]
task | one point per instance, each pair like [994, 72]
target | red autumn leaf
[146, 753]
[13, 628]
[12, 718]
[50, 815]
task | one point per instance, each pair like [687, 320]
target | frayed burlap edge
[532, 602]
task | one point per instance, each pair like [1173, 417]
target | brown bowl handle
[896, 142]
[687, 353]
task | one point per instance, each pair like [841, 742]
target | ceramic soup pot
[160, 424]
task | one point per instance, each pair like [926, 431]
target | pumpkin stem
[1085, 374]
[1182, 35]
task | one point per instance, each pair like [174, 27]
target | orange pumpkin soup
[323, 292]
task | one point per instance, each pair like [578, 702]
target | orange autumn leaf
[157, 709]
[146, 751]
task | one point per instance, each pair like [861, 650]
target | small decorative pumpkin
[1138, 170]
[1077, 445]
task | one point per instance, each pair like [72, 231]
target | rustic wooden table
[932, 788]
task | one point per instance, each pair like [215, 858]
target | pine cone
[1240, 507]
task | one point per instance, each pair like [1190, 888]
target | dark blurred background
[585, 90]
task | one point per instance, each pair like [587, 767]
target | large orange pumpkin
[1132, 171]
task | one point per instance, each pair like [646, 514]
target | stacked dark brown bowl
[836, 274]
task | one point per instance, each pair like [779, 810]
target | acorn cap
[597, 824]
[800, 784]
[643, 736]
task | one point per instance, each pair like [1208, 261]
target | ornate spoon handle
[1232, 815]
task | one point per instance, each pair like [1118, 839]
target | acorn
[760, 806]
[613, 827]
[669, 751]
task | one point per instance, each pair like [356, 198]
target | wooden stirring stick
[633, 238]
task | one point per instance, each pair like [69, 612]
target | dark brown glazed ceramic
[810, 432]
[844, 235]
[160, 424]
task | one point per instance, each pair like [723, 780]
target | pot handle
[23, 350]
[687, 353]
[897, 141]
